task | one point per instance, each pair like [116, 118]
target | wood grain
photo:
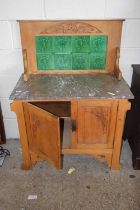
[17, 107]
[43, 131]
[96, 122]
[98, 131]
[117, 70]
[123, 106]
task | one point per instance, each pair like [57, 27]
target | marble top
[67, 87]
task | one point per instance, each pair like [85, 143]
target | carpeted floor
[92, 186]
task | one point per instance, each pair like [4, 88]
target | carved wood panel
[43, 133]
[71, 27]
[95, 122]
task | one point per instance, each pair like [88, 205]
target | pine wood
[17, 107]
[111, 28]
[43, 133]
[117, 71]
[87, 151]
[123, 106]
[96, 122]
[25, 62]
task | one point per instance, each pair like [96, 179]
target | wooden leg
[18, 108]
[24, 166]
[123, 106]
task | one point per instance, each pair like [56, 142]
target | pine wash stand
[71, 75]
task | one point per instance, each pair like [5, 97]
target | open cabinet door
[43, 132]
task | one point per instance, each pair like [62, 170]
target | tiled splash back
[71, 52]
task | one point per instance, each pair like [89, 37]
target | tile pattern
[71, 52]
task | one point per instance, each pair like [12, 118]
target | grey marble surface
[53, 87]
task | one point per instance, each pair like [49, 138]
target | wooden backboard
[32, 31]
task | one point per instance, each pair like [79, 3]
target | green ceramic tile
[98, 43]
[97, 60]
[80, 44]
[80, 61]
[45, 61]
[44, 44]
[71, 52]
[62, 44]
[62, 61]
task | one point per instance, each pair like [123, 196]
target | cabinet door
[96, 123]
[43, 132]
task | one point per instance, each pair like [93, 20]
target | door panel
[96, 122]
[43, 131]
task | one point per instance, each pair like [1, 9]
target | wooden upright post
[17, 107]
[123, 106]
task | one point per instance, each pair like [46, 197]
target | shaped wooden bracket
[26, 73]
[117, 71]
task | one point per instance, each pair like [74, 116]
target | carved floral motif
[71, 27]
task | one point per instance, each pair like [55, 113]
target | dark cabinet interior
[61, 109]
